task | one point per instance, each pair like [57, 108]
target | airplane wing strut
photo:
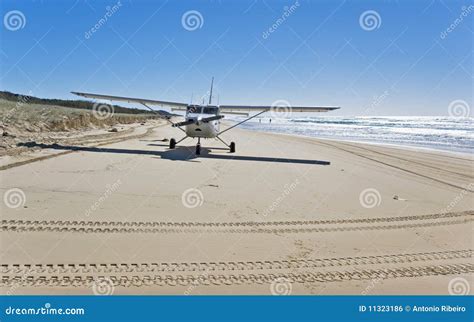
[247, 119]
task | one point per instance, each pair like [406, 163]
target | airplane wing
[176, 105]
[248, 109]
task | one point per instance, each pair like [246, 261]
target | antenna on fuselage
[210, 92]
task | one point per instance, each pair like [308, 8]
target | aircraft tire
[172, 143]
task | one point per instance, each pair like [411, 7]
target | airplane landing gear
[231, 146]
[198, 147]
[172, 143]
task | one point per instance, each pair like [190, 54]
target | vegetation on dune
[22, 114]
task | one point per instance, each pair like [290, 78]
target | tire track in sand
[176, 267]
[308, 226]
[237, 279]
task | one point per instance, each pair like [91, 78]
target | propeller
[184, 123]
[212, 118]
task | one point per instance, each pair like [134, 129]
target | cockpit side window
[210, 110]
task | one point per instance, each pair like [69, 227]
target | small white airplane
[203, 120]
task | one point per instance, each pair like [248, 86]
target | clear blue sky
[319, 55]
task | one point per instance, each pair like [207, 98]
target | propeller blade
[183, 123]
[212, 118]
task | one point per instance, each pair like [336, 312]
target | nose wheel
[198, 147]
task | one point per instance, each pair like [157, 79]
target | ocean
[434, 132]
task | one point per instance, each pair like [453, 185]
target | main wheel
[232, 147]
[172, 143]
[198, 149]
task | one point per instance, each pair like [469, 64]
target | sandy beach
[282, 215]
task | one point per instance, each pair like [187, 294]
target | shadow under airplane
[178, 154]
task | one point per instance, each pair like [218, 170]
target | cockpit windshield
[196, 109]
[193, 109]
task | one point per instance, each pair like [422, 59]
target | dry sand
[285, 215]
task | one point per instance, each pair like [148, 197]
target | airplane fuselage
[201, 129]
